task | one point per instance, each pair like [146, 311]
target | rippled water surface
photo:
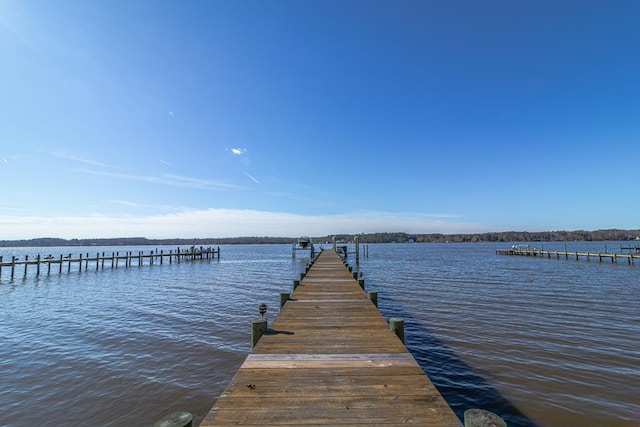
[542, 342]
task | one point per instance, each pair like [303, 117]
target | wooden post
[396, 325]
[97, 261]
[60, 271]
[361, 283]
[284, 297]
[482, 418]
[69, 265]
[103, 260]
[373, 297]
[218, 252]
[13, 265]
[86, 262]
[258, 328]
[38, 266]
[175, 419]
[161, 256]
[49, 265]
[79, 263]
[296, 283]
[357, 251]
[0, 265]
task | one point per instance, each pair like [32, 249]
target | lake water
[541, 342]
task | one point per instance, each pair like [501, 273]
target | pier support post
[361, 283]
[373, 297]
[296, 283]
[175, 419]
[482, 418]
[396, 325]
[258, 329]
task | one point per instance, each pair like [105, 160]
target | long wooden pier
[588, 256]
[64, 262]
[330, 358]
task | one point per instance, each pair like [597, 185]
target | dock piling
[482, 418]
[175, 419]
[373, 297]
[258, 329]
[396, 325]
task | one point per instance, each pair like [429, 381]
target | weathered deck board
[330, 359]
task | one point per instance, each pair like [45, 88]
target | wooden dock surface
[329, 359]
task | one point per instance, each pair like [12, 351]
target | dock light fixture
[262, 308]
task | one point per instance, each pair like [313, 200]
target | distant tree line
[397, 237]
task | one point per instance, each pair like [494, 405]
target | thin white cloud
[224, 223]
[73, 157]
[252, 178]
[238, 151]
[138, 205]
[167, 179]
[4, 159]
[165, 162]
[18, 34]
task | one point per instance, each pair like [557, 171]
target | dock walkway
[329, 358]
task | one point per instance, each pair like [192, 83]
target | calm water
[541, 342]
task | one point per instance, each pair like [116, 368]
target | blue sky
[286, 118]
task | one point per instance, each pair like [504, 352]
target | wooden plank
[329, 359]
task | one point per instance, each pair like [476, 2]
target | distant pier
[525, 250]
[48, 264]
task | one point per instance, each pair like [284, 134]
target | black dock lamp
[262, 308]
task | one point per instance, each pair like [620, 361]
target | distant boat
[304, 242]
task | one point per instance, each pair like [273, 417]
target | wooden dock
[588, 256]
[127, 259]
[330, 359]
